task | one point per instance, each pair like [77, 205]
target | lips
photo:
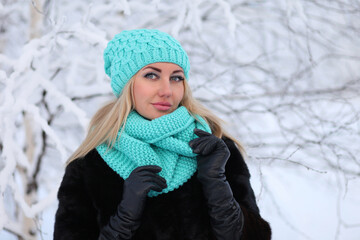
[162, 106]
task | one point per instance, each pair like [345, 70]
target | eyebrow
[159, 70]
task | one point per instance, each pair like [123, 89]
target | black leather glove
[225, 213]
[127, 218]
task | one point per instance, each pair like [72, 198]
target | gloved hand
[127, 219]
[225, 213]
[213, 154]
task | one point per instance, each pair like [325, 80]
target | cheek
[140, 93]
[179, 93]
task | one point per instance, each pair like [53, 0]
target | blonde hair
[107, 121]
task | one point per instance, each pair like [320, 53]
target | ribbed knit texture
[131, 50]
[163, 141]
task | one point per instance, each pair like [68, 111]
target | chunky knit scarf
[162, 142]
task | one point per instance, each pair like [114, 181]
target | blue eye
[148, 75]
[153, 76]
[177, 78]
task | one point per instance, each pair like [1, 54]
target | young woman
[155, 163]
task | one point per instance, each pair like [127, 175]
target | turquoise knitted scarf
[162, 142]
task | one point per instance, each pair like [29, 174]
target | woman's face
[158, 89]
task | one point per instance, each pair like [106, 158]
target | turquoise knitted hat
[131, 50]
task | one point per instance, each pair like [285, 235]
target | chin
[159, 114]
[151, 115]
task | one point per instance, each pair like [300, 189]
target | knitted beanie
[131, 50]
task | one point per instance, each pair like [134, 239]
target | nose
[165, 88]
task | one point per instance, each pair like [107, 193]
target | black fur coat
[91, 191]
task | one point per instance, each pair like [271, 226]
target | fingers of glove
[151, 168]
[209, 147]
[198, 148]
[155, 184]
[204, 146]
[152, 177]
[141, 185]
[201, 133]
[193, 143]
[154, 187]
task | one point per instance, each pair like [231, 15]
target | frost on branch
[38, 111]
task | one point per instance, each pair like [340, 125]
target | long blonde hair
[107, 121]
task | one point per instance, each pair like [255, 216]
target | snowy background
[284, 74]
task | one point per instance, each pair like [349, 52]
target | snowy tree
[284, 75]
